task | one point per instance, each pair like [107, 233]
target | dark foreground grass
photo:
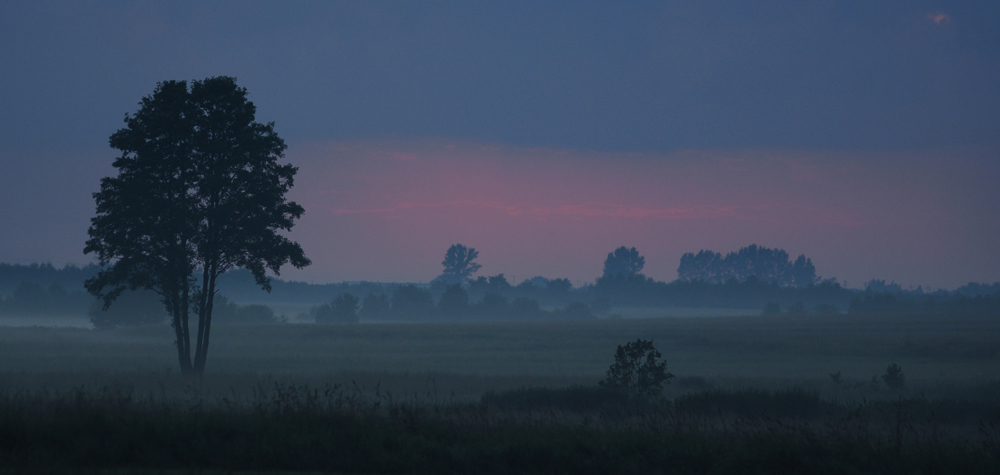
[575, 430]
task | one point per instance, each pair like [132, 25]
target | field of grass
[769, 350]
[501, 397]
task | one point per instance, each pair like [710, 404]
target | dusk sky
[865, 135]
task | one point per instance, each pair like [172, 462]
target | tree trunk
[206, 322]
[202, 306]
[183, 350]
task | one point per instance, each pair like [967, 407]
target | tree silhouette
[768, 265]
[343, 309]
[198, 191]
[458, 264]
[637, 370]
[623, 261]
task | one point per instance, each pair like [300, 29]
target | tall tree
[623, 261]
[199, 191]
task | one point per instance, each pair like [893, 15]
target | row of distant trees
[412, 303]
[460, 295]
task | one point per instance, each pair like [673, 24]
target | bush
[637, 370]
[894, 377]
[343, 309]
[229, 312]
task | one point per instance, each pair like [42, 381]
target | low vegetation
[573, 430]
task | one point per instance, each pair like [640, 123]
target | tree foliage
[768, 265]
[459, 264]
[199, 191]
[343, 309]
[637, 370]
[624, 261]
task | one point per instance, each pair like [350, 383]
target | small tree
[637, 370]
[894, 377]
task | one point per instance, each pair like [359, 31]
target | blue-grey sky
[842, 85]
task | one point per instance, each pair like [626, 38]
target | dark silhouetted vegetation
[32, 299]
[894, 377]
[229, 312]
[139, 307]
[768, 265]
[199, 190]
[623, 261]
[574, 430]
[638, 370]
[459, 264]
[343, 309]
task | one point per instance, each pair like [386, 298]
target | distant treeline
[792, 287]
[69, 277]
[412, 303]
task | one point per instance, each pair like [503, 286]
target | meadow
[501, 397]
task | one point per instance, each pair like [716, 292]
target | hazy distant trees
[623, 261]
[459, 264]
[454, 302]
[131, 308]
[410, 302]
[768, 265]
[199, 190]
[29, 298]
[342, 309]
[229, 312]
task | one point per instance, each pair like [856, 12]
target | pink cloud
[534, 211]
[939, 17]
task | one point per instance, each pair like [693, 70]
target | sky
[545, 134]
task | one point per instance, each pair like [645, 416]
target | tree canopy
[623, 261]
[769, 265]
[458, 264]
[199, 191]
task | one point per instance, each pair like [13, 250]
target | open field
[742, 351]
[753, 395]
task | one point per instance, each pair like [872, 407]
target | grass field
[467, 358]
[752, 395]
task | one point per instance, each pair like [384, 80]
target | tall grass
[573, 430]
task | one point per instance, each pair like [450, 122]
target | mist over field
[495, 237]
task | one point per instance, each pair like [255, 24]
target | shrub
[894, 377]
[637, 370]
[343, 309]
